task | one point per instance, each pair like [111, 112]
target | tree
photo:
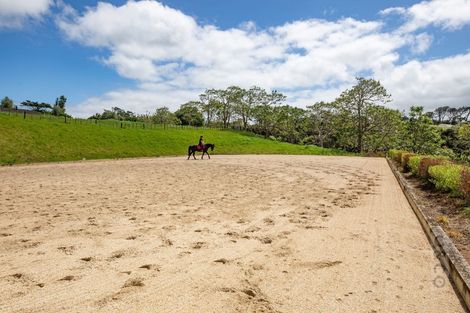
[115, 113]
[274, 98]
[228, 99]
[36, 106]
[322, 123]
[189, 114]
[164, 116]
[358, 100]
[249, 99]
[386, 128]
[421, 135]
[289, 123]
[209, 105]
[440, 113]
[6, 103]
[265, 121]
[59, 107]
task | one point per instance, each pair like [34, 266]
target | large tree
[323, 123]
[229, 99]
[358, 100]
[163, 115]
[36, 106]
[6, 103]
[189, 114]
[115, 113]
[421, 136]
[249, 99]
[210, 105]
[385, 129]
[59, 106]
[290, 123]
[265, 119]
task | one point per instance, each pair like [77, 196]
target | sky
[141, 55]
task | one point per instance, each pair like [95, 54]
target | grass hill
[45, 140]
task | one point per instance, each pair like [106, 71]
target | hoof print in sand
[67, 249]
[266, 240]
[68, 278]
[150, 267]
[223, 261]
[198, 245]
[134, 282]
[252, 229]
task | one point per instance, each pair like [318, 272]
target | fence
[21, 114]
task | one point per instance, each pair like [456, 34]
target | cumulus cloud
[431, 84]
[448, 14]
[14, 13]
[173, 58]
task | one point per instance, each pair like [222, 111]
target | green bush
[413, 164]
[428, 161]
[405, 157]
[465, 183]
[446, 177]
[395, 155]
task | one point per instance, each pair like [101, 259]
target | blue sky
[143, 55]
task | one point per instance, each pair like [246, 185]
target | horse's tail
[212, 147]
[189, 150]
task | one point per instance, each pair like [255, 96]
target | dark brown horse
[193, 149]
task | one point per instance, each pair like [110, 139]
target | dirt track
[233, 234]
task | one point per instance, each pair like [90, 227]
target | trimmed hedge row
[441, 171]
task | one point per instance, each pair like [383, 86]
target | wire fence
[21, 114]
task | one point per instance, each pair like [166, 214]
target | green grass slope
[42, 140]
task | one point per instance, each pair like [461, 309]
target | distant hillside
[43, 140]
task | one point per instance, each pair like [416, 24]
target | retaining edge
[450, 257]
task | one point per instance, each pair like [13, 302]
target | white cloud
[173, 58]
[448, 14]
[14, 13]
[421, 43]
[431, 84]
[144, 99]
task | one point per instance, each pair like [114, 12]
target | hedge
[439, 170]
[465, 183]
[395, 155]
[428, 161]
[413, 164]
[405, 157]
[446, 177]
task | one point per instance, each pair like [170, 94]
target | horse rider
[200, 145]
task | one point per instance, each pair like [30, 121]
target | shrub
[465, 183]
[428, 161]
[442, 219]
[405, 157]
[395, 155]
[413, 164]
[446, 177]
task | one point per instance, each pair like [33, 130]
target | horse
[192, 150]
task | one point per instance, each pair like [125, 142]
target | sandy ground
[233, 234]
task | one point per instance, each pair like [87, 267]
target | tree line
[57, 109]
[357, 120]
[450, 115]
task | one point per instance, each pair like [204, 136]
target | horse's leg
[202, 157]
[194, 154]
[208, 155]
